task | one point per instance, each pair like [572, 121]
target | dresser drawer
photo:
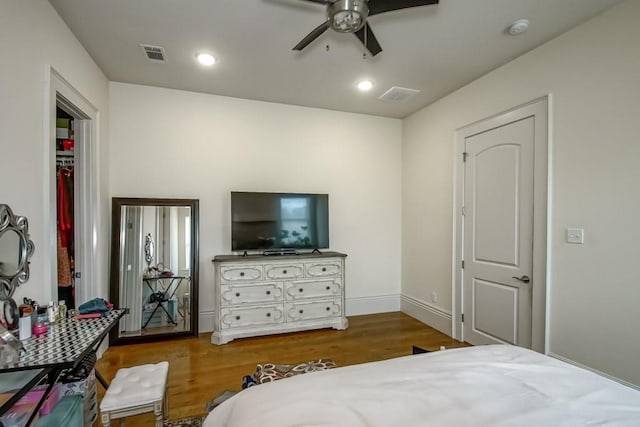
[246, 273]
[323, 268]
[262, 293]
[318, 288]
[298, 311]
[283, 271]
[238, 317]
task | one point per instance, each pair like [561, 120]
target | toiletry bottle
[51, 312]
[62, 309]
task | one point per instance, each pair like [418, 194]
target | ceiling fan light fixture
[347, 16]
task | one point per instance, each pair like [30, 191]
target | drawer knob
[328, 308]
[284, 271]
[301, 290]
[324, 268]
[328, 287]
[242, 273]
[237, 294]
[301, 311]
[268, 314]
[237, 317]
[268, 292]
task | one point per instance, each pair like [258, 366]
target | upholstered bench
[134, 391]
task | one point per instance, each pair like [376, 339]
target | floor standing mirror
[154, 268]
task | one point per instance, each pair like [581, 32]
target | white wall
[32, 39]
[169, 143]
[593, 73]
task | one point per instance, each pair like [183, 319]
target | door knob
[524, 279]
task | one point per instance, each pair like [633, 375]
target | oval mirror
[15, 250]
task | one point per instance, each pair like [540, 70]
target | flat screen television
[279, 221]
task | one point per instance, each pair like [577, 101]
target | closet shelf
[64, 153]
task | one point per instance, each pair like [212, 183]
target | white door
[498, 234]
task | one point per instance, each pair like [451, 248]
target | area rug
[186, 422]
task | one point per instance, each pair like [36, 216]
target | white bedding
[495, 385]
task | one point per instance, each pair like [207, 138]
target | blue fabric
[96, 305]
[249, 381]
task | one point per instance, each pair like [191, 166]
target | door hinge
[77, 275]
[462, 317]
[464, 156]
[463, 211]
[462, 263]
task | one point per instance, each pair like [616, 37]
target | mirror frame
[114, 281]
[20, 225]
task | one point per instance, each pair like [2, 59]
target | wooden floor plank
[199, 370]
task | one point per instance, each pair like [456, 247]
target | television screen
[273, 221]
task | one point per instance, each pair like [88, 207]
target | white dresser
[263, 295]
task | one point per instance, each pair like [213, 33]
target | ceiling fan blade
[381, 6]
[317, 32]
[372, 42]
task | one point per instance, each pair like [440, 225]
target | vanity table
[64, 346]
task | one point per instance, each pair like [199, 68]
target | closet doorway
[73, 195]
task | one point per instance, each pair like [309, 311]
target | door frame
[541, 110]
[86, 199]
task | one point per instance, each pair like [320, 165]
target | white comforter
[478, 386]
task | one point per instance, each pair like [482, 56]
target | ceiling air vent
[154, 53]
[398, 94]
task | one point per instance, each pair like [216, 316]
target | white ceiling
[435, 49]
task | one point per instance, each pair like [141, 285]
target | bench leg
[158, 411]
[106, 419]
[166, 406]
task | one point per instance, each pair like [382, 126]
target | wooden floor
[199, 370]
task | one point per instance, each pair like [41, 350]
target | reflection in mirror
[156, 275]
[10, 253]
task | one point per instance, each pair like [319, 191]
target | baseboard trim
[580, 365]
[371, 305]
[205, 321]
[428, 314]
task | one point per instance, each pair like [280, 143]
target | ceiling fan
[350, 16]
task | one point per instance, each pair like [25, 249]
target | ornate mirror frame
[10, 280]
[116, 252]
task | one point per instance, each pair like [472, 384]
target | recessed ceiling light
[365, 85]
[518, 27]
[206, 59]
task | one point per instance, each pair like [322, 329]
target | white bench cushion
[138, 385]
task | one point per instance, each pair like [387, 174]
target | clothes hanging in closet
[65, 226]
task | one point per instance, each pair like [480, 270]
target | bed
[495, 385]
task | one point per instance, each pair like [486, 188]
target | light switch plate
[575, 235]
